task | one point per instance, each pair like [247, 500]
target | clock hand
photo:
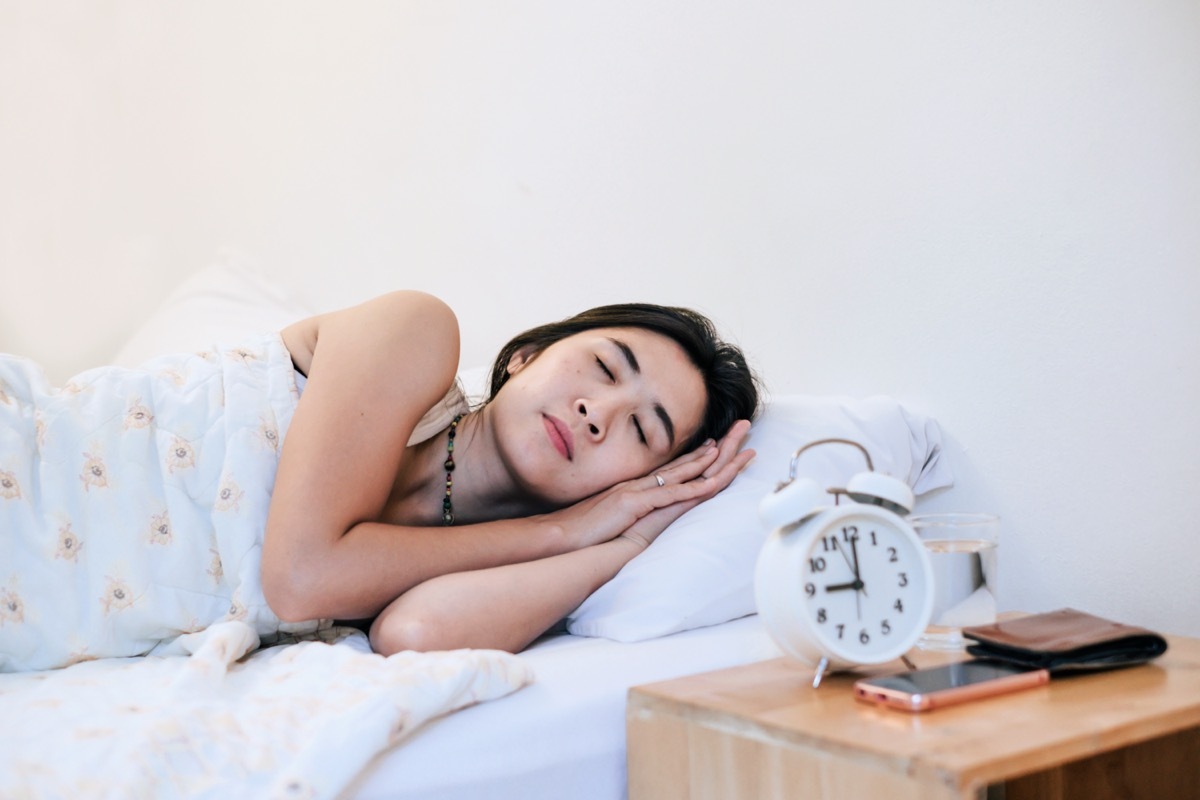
[845, 556]
[857, 578]
[838, 587]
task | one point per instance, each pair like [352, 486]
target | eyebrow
[631, 360]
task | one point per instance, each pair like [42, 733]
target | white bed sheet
[564, 734]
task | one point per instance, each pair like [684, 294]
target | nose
[593, 422]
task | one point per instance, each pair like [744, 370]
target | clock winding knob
[791, 502]
[875, 488]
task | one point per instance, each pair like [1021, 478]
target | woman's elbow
[394, 633]
[390, 635]
[283, 592]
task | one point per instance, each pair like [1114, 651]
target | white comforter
[133, 502]
[294, 721]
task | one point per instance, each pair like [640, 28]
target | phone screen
[951, 676]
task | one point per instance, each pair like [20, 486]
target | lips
[560, 436]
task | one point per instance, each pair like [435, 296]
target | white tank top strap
[436, 419]
[439, 417]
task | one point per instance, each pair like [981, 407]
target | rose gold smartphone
[935, 687]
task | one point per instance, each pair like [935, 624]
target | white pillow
[700, 571]
[225, 301]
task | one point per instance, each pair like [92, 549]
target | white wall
[989, 209]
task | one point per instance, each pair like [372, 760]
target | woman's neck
[481, 487]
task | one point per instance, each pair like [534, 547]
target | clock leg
[820, 673]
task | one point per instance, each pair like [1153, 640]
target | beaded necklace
[447, 505]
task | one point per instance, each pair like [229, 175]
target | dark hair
[730, 385]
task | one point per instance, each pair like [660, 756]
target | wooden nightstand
[762, 731]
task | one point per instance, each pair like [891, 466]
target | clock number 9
[810, 590]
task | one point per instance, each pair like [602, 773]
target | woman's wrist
[606, 559]
[628, 546]
[551, 535]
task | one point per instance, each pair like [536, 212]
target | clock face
[864, 582]
[851, 584]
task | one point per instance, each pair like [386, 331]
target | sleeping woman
[333, 471]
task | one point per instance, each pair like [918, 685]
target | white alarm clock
[843, 585]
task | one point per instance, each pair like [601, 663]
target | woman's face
[595, 409]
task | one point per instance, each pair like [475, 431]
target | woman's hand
[639, 510]
[729, 461]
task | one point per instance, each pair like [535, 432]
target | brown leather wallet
[1065, 641]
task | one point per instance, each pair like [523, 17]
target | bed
[564, 734]
[323, 717]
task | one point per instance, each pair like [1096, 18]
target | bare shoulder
[402, 316]
[416, 323]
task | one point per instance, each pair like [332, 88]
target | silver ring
[660, 480]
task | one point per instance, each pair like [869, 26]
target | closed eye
[640, 433]
[608, 372]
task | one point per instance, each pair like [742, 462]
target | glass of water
[962, 549]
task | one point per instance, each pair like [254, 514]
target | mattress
[563, 735]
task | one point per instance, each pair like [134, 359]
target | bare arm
[503, 608]
[375, 369]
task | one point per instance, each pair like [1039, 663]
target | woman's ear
[520, 358]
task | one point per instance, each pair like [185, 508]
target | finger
[674, 471]
[727, 473]
[735, 436]
[678, 499]
[695, 491]
[683, 470]
[692, 455]
[695, 487]
[735, 466]
[713, 460]
[729, 446]
[712, 456]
